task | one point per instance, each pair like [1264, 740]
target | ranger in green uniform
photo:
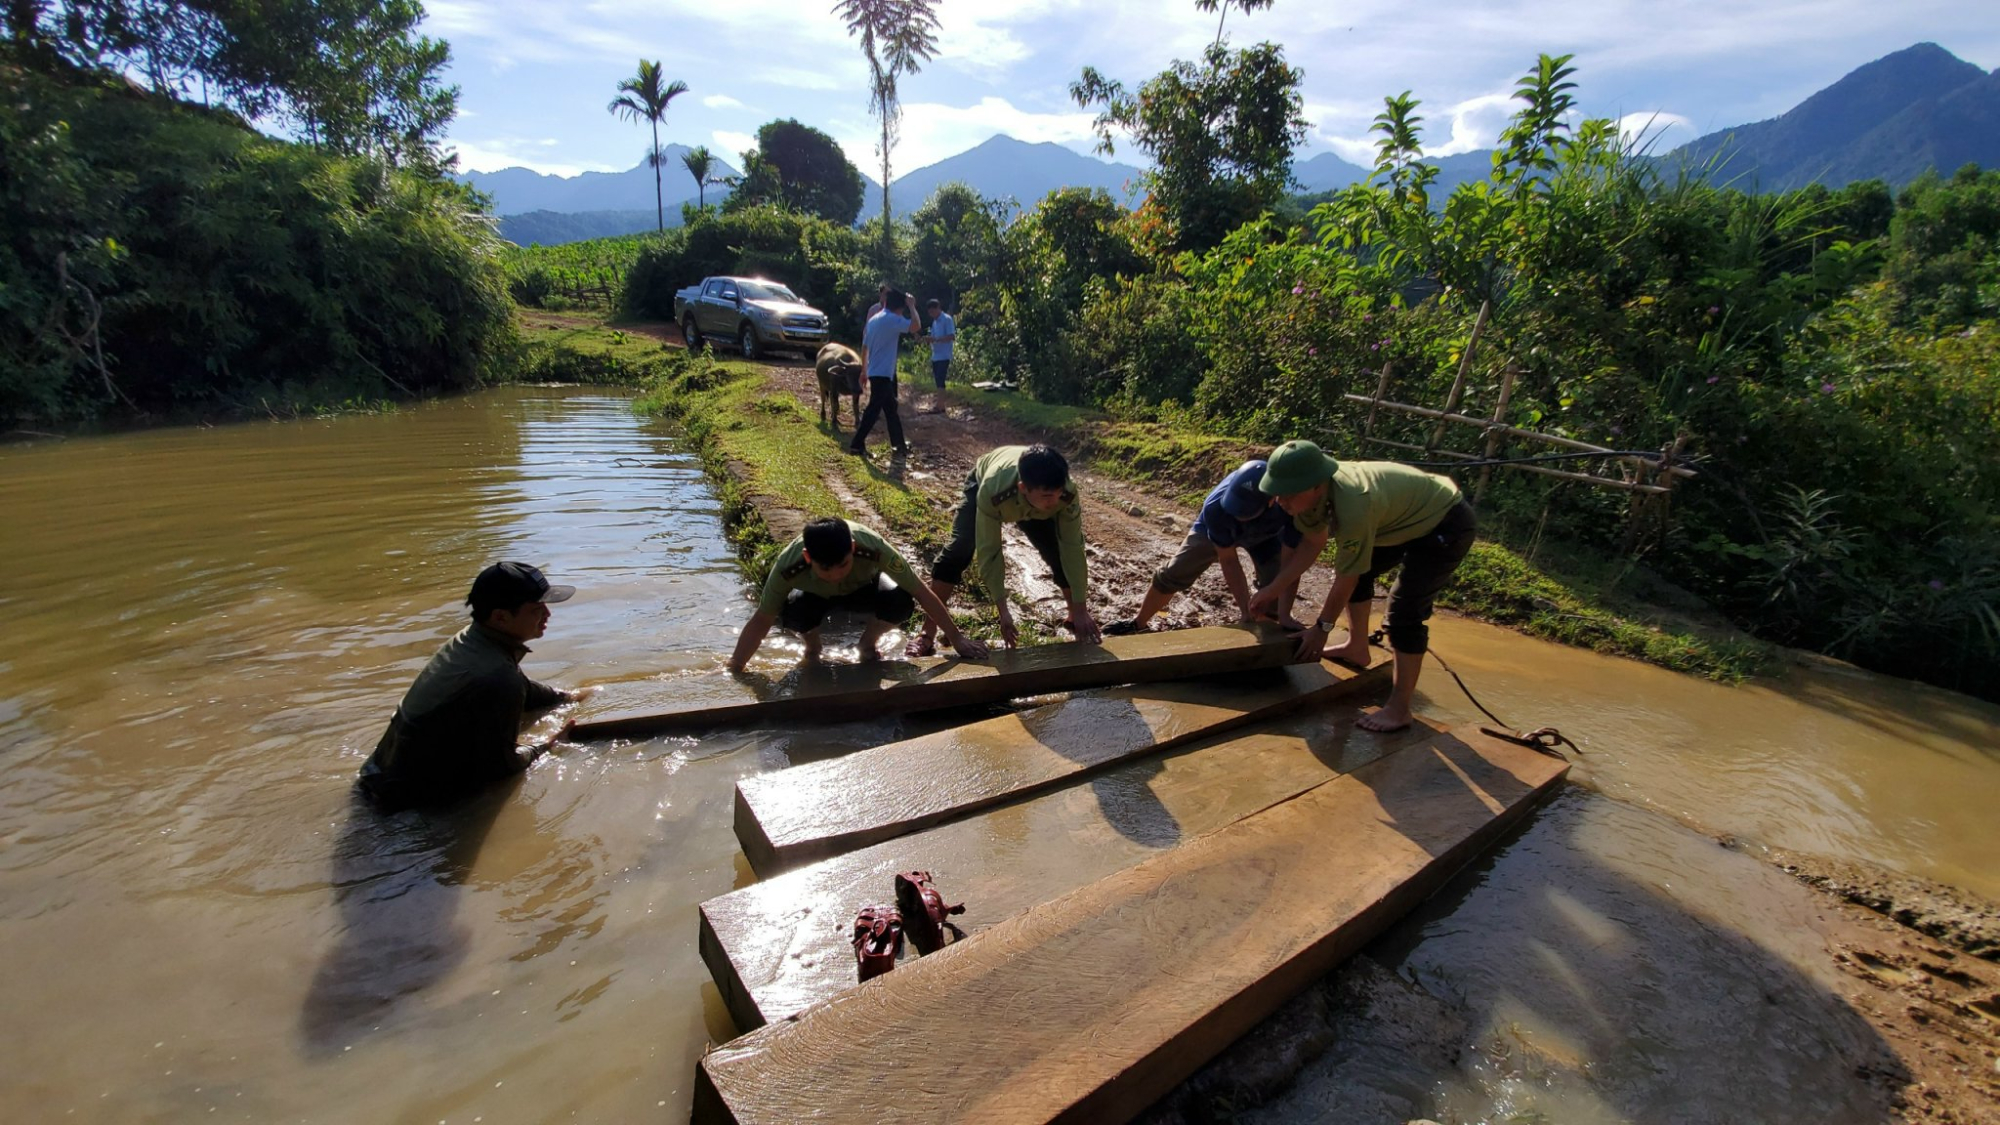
[1382, 514]
[839, 564]
[455, 731]
[1027, 485]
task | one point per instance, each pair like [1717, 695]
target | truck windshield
[767, 291]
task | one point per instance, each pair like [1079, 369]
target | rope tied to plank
[1546, 740]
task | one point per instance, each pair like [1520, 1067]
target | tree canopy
[349, 76]
[798, 166]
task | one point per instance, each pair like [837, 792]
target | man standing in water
[840, 565]
[1383, 514]
[456, 729]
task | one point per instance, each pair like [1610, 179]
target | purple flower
[1312, 351]
[1617, 429]
[1298, 290]
[1826, 388]
[1713, 309]
[1715, 378]
[1367, 317]
[1374, 347]
[1936, 585]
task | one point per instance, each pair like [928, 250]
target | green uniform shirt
[1001, 500]
[1376, 504]
[872, 557]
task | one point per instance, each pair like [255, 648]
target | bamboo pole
[1381, 392]
[1513, 432]
[1493, 436]
[1464, 371]
[1563, 474]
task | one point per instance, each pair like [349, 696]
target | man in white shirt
[879, 342]
[943, 332]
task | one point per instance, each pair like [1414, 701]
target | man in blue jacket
[1235, 515]
[455, 731]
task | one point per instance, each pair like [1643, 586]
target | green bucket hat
[1294, 467]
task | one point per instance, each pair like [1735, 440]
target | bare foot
[920, 646]
[1353, 654]
[1384, 719]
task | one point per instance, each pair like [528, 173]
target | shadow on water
[1901, 711]
[1603, 965]
[397, 879]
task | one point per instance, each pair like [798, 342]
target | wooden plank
[1515, 432]
[821, 809]
[856, 691]
[779, 946]
[1089, 1007]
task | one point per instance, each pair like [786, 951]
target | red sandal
[926, 910]
[878, 939]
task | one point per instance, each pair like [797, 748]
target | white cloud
[514, 152]
[722, 101]
[1656, 131]
[732, 146]
[932, 131]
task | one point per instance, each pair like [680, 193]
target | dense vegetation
[161, 258]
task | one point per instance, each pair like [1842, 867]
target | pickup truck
[758, 315]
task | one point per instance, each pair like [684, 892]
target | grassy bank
[772, 460]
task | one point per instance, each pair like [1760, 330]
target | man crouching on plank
[1027, 485]
[1383, 514]
[838, 564]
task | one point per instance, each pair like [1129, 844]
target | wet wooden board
[1089, 1007]
[781, 945]
[821, 809]
[858, 691]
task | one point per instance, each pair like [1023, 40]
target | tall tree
[799, 167]
[897, 38]
[699, 162]
[644, 97]
[1220, 135]
[1223, 6]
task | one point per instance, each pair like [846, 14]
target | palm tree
[699, 162]
[644, 97]
[1223, 6]
[897, 38]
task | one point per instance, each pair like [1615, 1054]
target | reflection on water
[210, 626]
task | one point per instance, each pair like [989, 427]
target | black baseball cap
[510, 585]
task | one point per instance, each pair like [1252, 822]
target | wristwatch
[1323, 625]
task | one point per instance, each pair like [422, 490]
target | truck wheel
[748, 340]
[690, 334]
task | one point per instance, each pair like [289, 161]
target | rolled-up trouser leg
[1428, 563]
[949, 567]
[884, 601]
[1192, 561]
[1042, 533]
[887, 601]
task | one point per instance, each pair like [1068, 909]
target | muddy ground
[1920, 958]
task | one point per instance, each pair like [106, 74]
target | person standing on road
[1383, 514]
[1027, 485]
[879, 343]
[943, 332]
[455, 731]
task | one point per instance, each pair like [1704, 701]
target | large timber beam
[779, 946]
[1089, 1007]
[821, 809]
[868, 690]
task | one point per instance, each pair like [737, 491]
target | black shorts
[885, 601]
[957, 555]
[1428, 563]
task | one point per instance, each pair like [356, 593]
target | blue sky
[536, 75]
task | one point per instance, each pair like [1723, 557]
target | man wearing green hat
[1380, 514]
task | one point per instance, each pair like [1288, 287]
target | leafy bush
[161, 257]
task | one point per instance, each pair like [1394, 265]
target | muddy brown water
[210, 626]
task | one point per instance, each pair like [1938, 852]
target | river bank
[1902, 955]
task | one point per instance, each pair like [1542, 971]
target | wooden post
[1493, 433]
[1381, 392]
[1464, 370]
